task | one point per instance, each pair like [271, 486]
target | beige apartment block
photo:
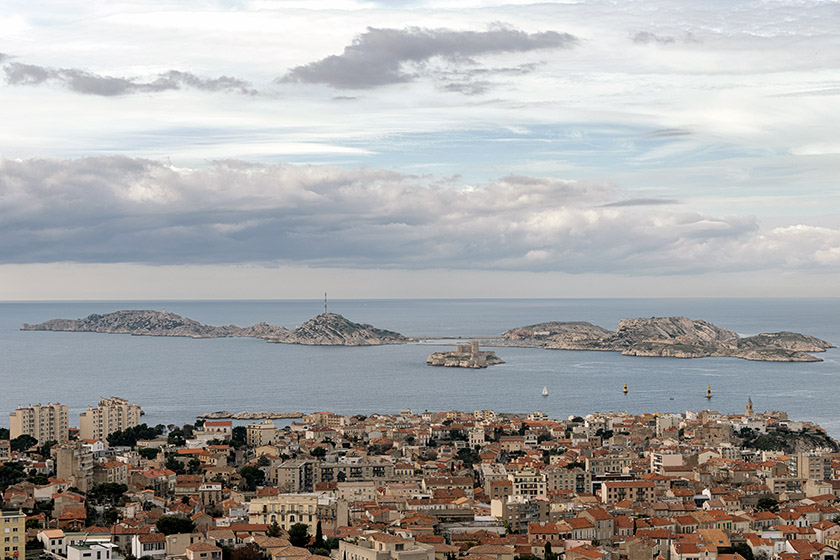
[262, 433]
[13, 533]
[43, 422]
[74, 461]
[382, 546]
[112, 415]
[286, 510]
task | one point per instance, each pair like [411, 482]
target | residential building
[105, 551]
[204, 551]
[74, 461]
[261, 433]
[149, 544]
[383, 546]
[613, 491]
[285, 510]
[527, 482]
[54, 541]
[112, 415]
[13, 533]
[43, 422]
[563, 478]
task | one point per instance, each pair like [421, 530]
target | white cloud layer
[118, 209]
[661, 137]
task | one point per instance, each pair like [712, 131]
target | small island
[671, 337]
[326, 329]
[465, 356]
[249, 415]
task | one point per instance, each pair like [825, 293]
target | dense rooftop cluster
[442, 485]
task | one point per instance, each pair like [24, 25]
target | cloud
[118, 209]
[3, 56]
[378, 56]
[640, 202]
[668, 133]
[81, 81]
[647, 38]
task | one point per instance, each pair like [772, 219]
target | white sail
[545, 391]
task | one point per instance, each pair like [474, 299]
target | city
[419, 486]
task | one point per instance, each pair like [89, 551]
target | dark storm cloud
[118, 209]
[377, 57]
[81, 81]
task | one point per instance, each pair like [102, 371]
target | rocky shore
[327, 329]
[248, 415]
[673, 337]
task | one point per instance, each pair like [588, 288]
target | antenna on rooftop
[325, 303]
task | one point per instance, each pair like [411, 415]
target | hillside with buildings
[431, 486]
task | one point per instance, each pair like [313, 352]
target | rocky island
[327, 329]
[249, 415]
[465, 356]
[674, 337]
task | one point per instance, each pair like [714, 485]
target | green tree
[239, 437]
[148, 452]
[22, 442]
[169, 525]
[299, 534]
[174, 465]
[38, 480]
[547, 554]
[274, 530]
[10, 474]
[176, 437]
[111, 516]
[318, 452]
[247, 552]
[4, 433]
[319, 537]
[252, 477]
[744, 550]
[107, 493]
[44, 449]
[767, 504]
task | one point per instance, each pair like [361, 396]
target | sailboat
[545, 391]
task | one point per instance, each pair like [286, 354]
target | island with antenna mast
[326, 329]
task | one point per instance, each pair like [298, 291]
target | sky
[226, 149]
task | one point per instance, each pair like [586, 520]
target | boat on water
[545, 391]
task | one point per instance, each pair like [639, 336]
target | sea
[177, 379]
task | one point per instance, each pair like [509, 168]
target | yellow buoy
[709, 392]
[625, 388]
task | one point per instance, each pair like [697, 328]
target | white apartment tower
[112, 415]
[43, 422]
